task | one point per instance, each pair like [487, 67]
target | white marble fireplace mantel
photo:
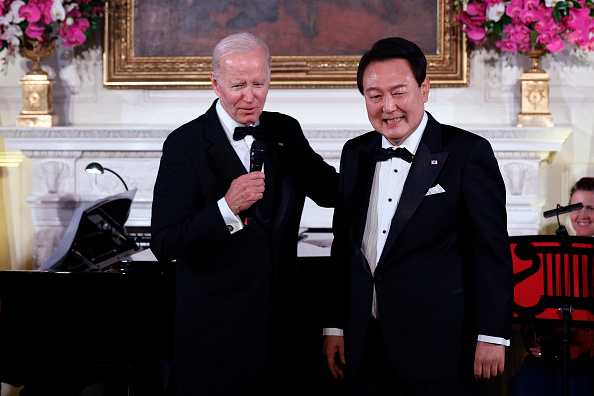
[60, 183]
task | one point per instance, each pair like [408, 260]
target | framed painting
[313, 43]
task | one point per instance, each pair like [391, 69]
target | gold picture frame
[124, 67]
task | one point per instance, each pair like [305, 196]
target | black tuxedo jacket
[445, 274]
[232, 288]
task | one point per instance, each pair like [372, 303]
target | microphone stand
[565, 309]
[561, 231]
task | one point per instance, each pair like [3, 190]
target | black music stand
[557, 270]
[96, 237]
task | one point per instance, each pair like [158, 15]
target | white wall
[491, 99]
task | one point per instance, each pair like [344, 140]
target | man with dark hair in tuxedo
[420, 292]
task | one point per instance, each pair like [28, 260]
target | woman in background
[541, 372]
[583, 220]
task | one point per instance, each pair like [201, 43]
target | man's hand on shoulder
[244, 191]
[489, 360]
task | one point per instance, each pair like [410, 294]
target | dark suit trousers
[281, 376]
[275, 380]
[377, 377]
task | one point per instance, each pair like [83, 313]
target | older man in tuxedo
[233, 233]
[420, 293]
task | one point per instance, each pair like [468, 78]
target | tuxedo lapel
[428, 162]
[221, 150]
[282, 187]
[364, 170]
[272, 168]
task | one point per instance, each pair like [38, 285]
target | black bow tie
[383, 154]
[257, 132]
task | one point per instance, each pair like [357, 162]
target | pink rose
[532, 3]
[34, 31]
[579, 19]
[513, 11]
[83, 24]
[520, 35]
[73, 37]
[476, 34]
[473, 9]
[30, 12]
[507, 45]
[578, 38]
[528, 16]
[73, 34]
[589, 46]
[45, 10]
[556, 45]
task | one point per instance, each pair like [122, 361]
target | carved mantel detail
[60, 184]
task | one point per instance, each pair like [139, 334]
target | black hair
[394, 48]
[584, 184]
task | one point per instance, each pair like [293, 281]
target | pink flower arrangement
[72, 20]
[521, 25]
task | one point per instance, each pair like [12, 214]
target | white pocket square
[435, 190]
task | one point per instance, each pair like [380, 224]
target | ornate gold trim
[535, 94]
[122, 69]
[37, 86]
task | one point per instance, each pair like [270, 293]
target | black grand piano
[93, 315]
[97, 313]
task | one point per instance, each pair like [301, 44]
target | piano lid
[95, 237]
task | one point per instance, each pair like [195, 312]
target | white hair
[239, 43]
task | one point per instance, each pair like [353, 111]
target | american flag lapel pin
[433, 162]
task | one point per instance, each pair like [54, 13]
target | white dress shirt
[388, 183]
[242, 148]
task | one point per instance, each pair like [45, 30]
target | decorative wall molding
[60, 184]
[122, 154]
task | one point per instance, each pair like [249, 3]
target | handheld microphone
[257, 155]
